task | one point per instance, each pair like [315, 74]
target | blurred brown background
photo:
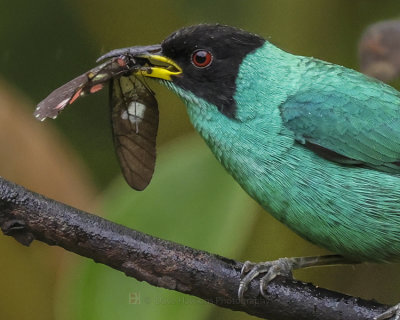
[45, 43]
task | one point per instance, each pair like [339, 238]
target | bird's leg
[389, 313]
[283, 267]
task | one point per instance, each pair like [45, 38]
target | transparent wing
[134, 116]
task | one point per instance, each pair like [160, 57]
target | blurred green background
[45, 43]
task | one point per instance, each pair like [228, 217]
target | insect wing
[59, 98]
[134, 115]
[89, 82]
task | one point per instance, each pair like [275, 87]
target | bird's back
[345, 116]
[284, 105]
[348, 199]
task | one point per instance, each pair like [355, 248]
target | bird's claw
[271, 269]
[389, 313]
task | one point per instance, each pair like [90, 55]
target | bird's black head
[210, 56]
[203, 59]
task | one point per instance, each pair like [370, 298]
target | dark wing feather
[134, 116]
[356, 121]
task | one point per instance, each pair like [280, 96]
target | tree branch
[28, 216]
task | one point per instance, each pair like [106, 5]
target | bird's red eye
[201, 58]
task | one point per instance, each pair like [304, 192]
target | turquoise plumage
[315, 144]
[284, 101]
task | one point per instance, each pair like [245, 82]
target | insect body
[134, 112]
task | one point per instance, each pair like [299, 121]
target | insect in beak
[134, 109]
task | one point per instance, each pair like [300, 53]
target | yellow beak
[160, 67]
[155, 66]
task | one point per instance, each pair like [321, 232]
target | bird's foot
[389, 313]
[272, 269]
[281, 267]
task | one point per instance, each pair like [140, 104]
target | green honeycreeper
[317, 145]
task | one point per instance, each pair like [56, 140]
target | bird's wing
[357, 122]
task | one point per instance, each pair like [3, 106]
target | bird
[316, 144]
